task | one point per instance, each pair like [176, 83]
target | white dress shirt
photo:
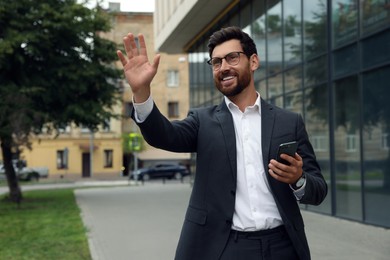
[255, 207]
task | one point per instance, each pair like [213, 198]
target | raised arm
[139, 72]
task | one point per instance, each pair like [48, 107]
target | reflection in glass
[292, 32]
[261, 87]
[347, 149]
[375, 15]
[376, 49]
[258, 35]
[293, 79]
[293, 102]
[344, 21]
[317, 125]
[316, 71]
[346, 61]
[376, 141]
[274, 39]
[275, 85]
[315, 27]
[201, 83]
[277, 101]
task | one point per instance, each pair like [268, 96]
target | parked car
[169, 171]
[26, 173]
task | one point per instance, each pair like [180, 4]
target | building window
[106, 127]
[173, 78]
[385, 143]
[319, 143]
[351, 143]
[62, 159]
[108, 155]
[173, 109]
[289, 102]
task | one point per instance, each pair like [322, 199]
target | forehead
[224, 48]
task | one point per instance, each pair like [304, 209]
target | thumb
[156, 61]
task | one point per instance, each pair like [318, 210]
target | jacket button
[228, 222]
[233, 192]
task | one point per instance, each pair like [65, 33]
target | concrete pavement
[144, 223]
[134, 222]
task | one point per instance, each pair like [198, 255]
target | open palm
[139, 72]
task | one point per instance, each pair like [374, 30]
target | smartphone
[289, 148]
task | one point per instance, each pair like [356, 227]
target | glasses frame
[218, 65]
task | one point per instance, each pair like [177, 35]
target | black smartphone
[289, 148]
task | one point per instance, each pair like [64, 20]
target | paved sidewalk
[144, 222]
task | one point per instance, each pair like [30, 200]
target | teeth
[227, 78]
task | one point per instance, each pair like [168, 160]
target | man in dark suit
[244, 203]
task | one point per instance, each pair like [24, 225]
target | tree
[55, 69]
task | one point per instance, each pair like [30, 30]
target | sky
[131, 5]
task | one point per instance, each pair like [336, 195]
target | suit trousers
[270, 244]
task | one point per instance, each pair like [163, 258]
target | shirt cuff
[299, 192]
[143, 110]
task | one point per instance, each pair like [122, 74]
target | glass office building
[329, 61]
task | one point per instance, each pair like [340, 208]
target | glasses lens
[233, 58]
[216, 62]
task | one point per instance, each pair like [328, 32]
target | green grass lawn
[47, 225]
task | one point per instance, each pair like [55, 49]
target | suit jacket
[209, 132]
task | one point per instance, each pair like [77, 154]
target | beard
[243, 81]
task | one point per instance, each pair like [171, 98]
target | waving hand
[138, 70]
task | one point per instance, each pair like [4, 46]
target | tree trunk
[15, 194]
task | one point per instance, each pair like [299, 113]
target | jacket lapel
[225, 119]
[267, 125]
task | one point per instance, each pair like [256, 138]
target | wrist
[141, 97]
[300, 182]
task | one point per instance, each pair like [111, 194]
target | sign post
[135, 144]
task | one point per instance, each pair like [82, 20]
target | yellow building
[68, 155]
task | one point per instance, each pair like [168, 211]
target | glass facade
[328, 60]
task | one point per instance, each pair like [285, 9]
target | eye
[231, 57]
[216, 61]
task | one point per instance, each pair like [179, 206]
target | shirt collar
[256, 105]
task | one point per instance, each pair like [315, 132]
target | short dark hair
[231, 33]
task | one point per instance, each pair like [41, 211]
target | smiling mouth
[228, 78]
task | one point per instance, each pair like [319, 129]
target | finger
[288, 158]
[133, 44]
[277, 176]
[142, 45]
[121, 58]
[130, 45]
[127, 45]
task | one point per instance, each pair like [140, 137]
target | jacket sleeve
[174, 136]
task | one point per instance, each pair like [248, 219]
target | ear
[254, 62]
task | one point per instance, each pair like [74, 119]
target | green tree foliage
[55, 69]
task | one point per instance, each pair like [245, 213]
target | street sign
[135, 142]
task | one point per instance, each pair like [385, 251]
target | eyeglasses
[232, 59]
